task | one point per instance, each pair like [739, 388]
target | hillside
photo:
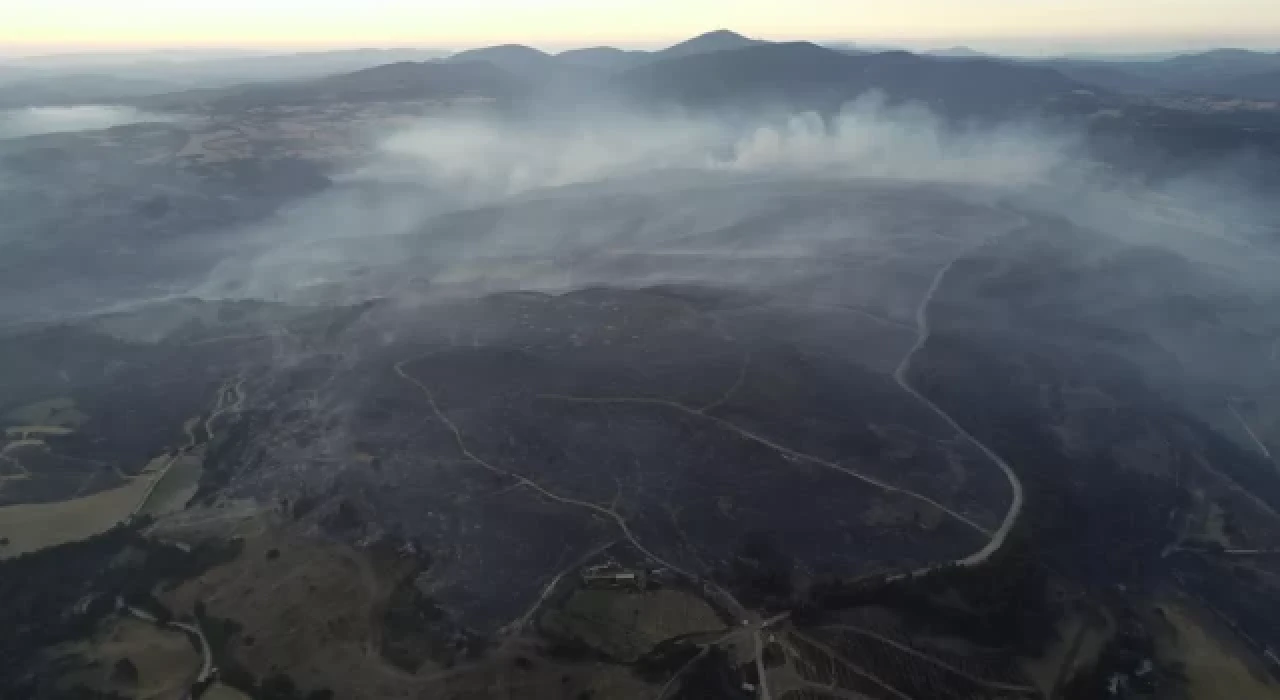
[1257, 86]
[388, 83]
[809, 76]
[719, 40]
[1231, 72]
[532, 63]
[513, 58]
[79, 88]
[603, 58]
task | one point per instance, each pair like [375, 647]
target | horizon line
[1101, 44]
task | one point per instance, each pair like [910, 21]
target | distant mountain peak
[720, 34]
[806, 76]
[516, 59]
[958, 52]
[501, 49]
[718, 40]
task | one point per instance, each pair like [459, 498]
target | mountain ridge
[805, 75]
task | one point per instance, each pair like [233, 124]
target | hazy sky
[30, 25]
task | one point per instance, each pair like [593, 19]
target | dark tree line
[63, 593]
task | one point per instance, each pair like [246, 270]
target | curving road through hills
[900, 376]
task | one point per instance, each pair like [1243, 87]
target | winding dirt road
[995, 540]
[923, 330]
[206, 650]
[781, 449]
[900, 375]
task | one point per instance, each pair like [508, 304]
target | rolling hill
[808, 76]
[532, 63]
[711, 42]
[1258, 86]
[606, 58]
[1230, 72]
[513, 58]
[406, 80]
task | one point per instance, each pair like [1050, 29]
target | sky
[36, 26]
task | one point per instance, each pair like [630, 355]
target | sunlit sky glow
[31, 26]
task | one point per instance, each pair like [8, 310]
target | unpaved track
[923, 331]
[900, 376]
[206, 651]
[781, 449]
[607, 513]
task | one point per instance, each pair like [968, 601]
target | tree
[125, 672]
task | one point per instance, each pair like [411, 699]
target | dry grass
[1044, 670]
[227, 519]
[310, 607]
[167, 662]
[218, 691]
[1091, 630]
[500, 680]
[1215, 664]
[176, 487]
[30, 527]
[1095, 640]
[34, 526]
[314, 610]
[627, 625]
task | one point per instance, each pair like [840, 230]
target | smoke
[16, 123]
[860, 208]
[869, 138]
[866, 211]
[547, 196]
